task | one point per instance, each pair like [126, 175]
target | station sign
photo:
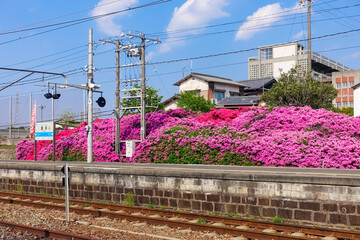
[44, 131]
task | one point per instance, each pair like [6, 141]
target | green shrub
[278, 219]
[129, 200]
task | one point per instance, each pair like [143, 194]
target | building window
[338, 105]
[219, 95]
[266, 53]
[351, 84]
[345, 104]
[345, 84]
[351, 104]
[338, 85]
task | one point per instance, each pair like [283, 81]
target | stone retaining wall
[307, 202]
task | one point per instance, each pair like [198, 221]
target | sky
[186, 28]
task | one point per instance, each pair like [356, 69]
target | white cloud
[193, 13]
[107, 24]
[300, 35]
[262, 18]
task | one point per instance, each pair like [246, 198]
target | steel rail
[46, 233]
[316, 231]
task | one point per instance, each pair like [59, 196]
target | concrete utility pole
[117, 100]
[52, 106]
[10, 116]
[41, 111]
[90, 100]
[143, 91]
[30, 111]
[309, 34]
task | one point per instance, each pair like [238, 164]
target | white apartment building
[273, 59]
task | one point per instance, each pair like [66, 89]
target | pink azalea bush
[71, 145]
[283, 136]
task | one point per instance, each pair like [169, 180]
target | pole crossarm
[18, 80]
[31, 71]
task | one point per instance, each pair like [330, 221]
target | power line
[266, 17]
[82, 20]
[323, 37]
[19, 29]
[191, 36]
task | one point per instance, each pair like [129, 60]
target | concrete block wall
[300, 200]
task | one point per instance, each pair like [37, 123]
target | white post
[10, 116]
[90, 100]
[30, 112]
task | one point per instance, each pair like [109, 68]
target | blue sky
[187, 28]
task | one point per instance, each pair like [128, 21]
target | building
[170, 103]
[210, 87]
[344, 83]
[257, 86]
[274, 59]
[239, 101]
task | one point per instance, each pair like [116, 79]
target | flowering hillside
[284, 136]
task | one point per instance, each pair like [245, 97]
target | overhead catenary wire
[193, 36]
[61, 16]
[323, 37]
[76, 21]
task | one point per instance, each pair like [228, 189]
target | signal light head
[101, 102]
[48, 95]
[56, 96]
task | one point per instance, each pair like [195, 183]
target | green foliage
[348, 111]
[129, 200]
[152, 99]
[67, 118]
[230, 215]
[191, 100]
[202, 153]
[298, 88]
[162, 207]
[43, 193]
[20, 188]
[201, 220]
[150, 205]
[252, 218]
[75, 156]
[278, 220]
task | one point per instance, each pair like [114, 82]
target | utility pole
[143, 79]
[10, 116]
[41, 111]
[52, 106]
[309, 34]
[117, 100]
[90, 100]
[30, 112]
[143, 90]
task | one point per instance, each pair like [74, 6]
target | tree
[348, 110]
[152, 99]
[67, 118]
[298, 88]
[191, 100]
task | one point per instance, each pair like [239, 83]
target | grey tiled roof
[257, 83]
[239, 100]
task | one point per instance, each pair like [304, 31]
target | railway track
[247, 229]
[43, 233]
